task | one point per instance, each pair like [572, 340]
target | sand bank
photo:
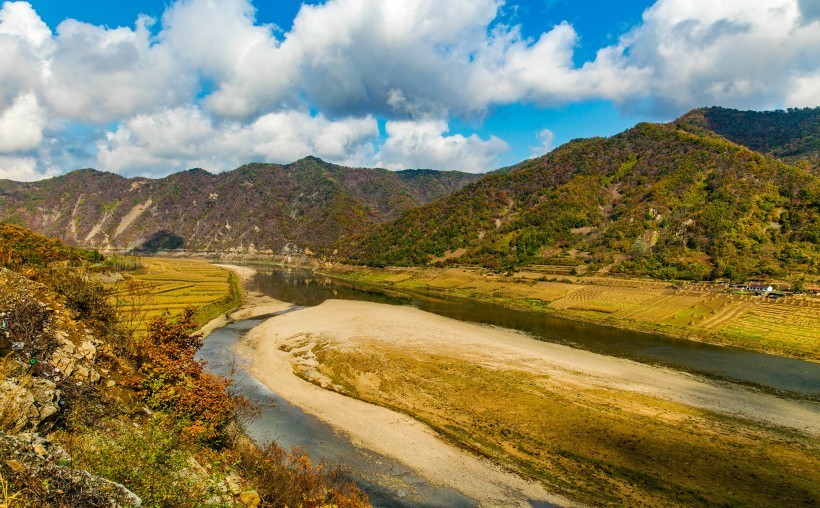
[282, 341]
[253, 304]
[348, 323]
[380, 429]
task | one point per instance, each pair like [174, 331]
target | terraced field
[167, 286]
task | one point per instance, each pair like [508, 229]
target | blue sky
[153, 87]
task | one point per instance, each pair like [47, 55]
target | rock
[87, 350]
[234, 482]
[250, 498]
[82, 372]
[18, 404]
[111, 384]
[38, 461]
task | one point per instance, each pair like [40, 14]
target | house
[739, 287]
[813, 290]
[761, 288]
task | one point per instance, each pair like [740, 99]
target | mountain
[669, 201]
[306, 205]
[792, 135]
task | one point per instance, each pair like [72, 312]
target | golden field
[167, 286]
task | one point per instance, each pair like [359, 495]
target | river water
[388, 482]
[796, 378]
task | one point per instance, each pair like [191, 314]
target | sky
[153, 87]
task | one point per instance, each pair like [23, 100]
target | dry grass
[789, 326]
[600, 446]
[10, 498]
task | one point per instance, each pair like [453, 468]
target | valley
[588, 426]
[623, 321]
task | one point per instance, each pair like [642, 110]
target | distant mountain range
[265, 208]
[716, 193]
[669, 201]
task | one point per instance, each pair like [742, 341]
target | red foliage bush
[172, 380]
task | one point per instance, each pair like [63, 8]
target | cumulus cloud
[424, 144]
[100, 74]
[180, 138]
[735, 53]
[214, 87]
[21, 125]
[22, 169]
[805, 92]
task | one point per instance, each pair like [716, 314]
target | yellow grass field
[167, 286]
[700, 311]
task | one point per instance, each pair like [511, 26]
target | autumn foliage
[18, 245]
[172, 380]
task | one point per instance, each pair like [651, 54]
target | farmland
[167, 286]
[699, 311]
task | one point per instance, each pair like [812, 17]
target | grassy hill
[668, 201]
[266, 208]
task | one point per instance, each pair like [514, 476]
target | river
[387, 481]
[788, 376]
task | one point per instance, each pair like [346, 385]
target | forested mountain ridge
[792, 135]
[669, 201]
[267, 208]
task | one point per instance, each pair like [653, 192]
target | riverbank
[696, 311]
[251, 304]
[591, 427]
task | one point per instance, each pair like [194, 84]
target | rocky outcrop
[31, 460]
[76, 361]
[27, 403]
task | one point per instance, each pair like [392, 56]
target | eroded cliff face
[259, 208]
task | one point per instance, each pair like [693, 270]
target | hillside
[655, 200]
[264, 208]
[91, 417]
[792, 135]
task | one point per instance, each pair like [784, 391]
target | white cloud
[545, 138]
[805, 92]
[22, 169]
[21, 125]
[424, 144]
[101, 74]
[351, 61]
[180, 138]
[735, 53]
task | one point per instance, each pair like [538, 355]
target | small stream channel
[388, 482]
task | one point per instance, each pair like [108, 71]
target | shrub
[173, 381]
[285, 478]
